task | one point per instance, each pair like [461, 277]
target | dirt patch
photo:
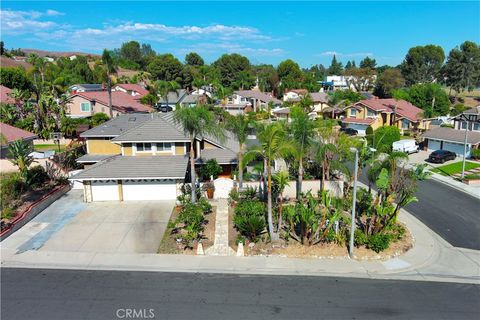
[169, 244]
[232, 232]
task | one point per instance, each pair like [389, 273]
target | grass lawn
[47, 147]
[453, 168]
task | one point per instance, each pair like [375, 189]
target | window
[476, 126]
[144, 147]
[164, 146]
[85, 107]
[353, 113]
[463, 125]
[371, 113]
[405, 124]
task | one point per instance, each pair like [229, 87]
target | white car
[407, 146]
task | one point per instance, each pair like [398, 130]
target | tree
[462, 70]
[368, 63]
[239, 125]
[302, 130]
[430, 97]
[197, 122]
[273, 144]
[282, 180]
[384, 137]
[19, 151]
[15, 78]
[422, 64]
[336, 68]
[98, 118]
[362, 79]
[229, 67]
[131, 51]
[267, 78]
[109, 69]
[194, 59]
[165, 67]
[289, 72]
[165, 87]
[389, 80]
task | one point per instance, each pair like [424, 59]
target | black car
[349, 131]
[163, 108]
[440, 156]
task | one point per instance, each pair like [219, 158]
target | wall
[74, 108]
[102, 146]
[334, 187]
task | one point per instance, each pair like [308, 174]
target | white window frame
[163, 150]
[89, 107]
[371, 114]
[143, 147]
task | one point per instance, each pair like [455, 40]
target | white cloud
[23, 22]
[215, 48]
[51, 12]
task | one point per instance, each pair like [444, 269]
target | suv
[440, 156]
[349, 131]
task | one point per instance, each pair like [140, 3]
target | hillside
[43, 53]
[9, 62]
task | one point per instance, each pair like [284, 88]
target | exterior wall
[102, 146]
[319, 106]
[335, 188]
[180, 148]
[74, 108]
[207, 145]
[127, 149]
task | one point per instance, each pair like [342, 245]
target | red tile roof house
[132, 89]
[86, 104]
[5, 95]
[8, 134]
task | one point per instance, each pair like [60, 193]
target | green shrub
[475, 153]
[7, 213]
[233, 196]
[205, 205]
[210, 168]
[397, 232]
[11, 188]
[250, 193]
[378, 242]
[99, 118]
[359, 238]
[384, 137]
[369, 131]
[249, 218]
[36, 176]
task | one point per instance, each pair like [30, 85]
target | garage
[361, 128]
[105, 190]
[456, 147]
[142, 189]
[433, 145]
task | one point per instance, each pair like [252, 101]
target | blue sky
[267, 32]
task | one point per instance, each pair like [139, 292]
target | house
[244, 101]
[5, 95]
[86, 104]
[375, 113]
[86, 87]
[294, 95]
[281, 113]
[135, 90]
[453, 139]
[9, 134]
[173, 98]
[145, 157]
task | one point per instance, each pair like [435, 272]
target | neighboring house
[281, 113]
[173, 98]
[294, 95]
[86, 104]
[145, 157]
[87, 87]
[5, 95]
[320, 99]
[132, 89]
[383, 112]
[453, 139]
[338, 82]
[9, 134]
[244, 101]
[204, 90]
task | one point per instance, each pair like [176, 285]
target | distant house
[382, 112]
[243, 101]
[453, 139]
[9, 134]
[132, 89]
[5, 95]
[173, 98]
[86, 104]
[87, 87]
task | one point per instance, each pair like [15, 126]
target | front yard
[455, 168]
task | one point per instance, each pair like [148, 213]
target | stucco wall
[102, 146]
[335, 188]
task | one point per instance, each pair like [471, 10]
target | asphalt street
[71, 294]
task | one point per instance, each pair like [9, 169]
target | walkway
[220, 246]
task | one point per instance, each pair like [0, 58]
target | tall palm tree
[239, 126]
[197, 122]
[273, 144]
[165, 87]
[302, 130]
[282, 180]
[109, 68]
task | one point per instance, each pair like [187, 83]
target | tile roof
[121, 101]
[5, 95]
[94, 157]
[118, 125]
[133, 87]
[223, 156]
[262, 96]
[452, 135]
[319, 97]
[131, 167]
[403, 108]
[11, 133]
[359, 121]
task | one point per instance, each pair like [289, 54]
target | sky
[266, 32]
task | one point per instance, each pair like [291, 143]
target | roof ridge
[135, 127]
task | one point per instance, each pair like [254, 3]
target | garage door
[149, 190]
[361, 128]
[104, 190]
[455, 147]
[433, 145]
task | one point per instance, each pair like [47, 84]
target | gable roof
[5, 95]
[401, 107]
[452, 135]
[319, 97]
[133, 87]
[262, 96]
[88, 86]
[118, 125]
[121, 101]
[12, 134]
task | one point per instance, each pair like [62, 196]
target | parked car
[407, 146]
[349, 131]
[440, 156]
[163, 108]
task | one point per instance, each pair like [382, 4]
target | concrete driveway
[70, 225]
[422, 156]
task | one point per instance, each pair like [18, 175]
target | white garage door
[433, 145]
[361, 128]
[104, 190]
[455, 147]
[149, 190]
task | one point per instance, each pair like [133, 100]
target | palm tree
[302, 130]
[197, 122]
[273, 144]
[239, 126]
[19, 151]
[282, 180]
[222, 93]
[109, 68]
[165, 87]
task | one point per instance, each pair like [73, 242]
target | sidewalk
[431, 259]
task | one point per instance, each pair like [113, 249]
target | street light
[470, 117]
[352, 229]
